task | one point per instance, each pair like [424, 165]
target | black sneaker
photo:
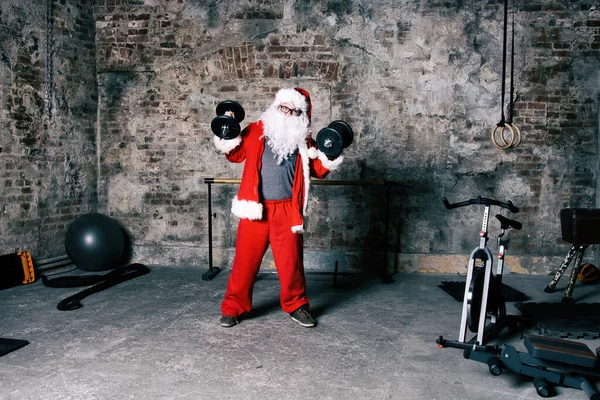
[302, 317]
[228, 321]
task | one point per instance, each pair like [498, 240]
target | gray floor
[158, 337]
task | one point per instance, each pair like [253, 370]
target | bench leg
[568, 297]
[551, 288]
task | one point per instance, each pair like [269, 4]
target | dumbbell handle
[335, 138]
[328, 143]
[224, 130]
[225, 127]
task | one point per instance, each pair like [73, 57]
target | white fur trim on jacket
[225, 146]
[331, 165]
[303, 150]
[246, 209]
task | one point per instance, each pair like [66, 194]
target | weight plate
[330, 142]
[225, 127]
[230, 105]
[344, 129]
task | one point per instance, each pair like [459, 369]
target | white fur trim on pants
[247, 209]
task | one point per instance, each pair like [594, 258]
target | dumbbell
[336, 137]
[225, 126]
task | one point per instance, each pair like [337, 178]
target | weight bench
[550, 362]
[581, 228]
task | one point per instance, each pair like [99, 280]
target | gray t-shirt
[276, 180]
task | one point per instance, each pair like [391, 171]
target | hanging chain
[48, 56]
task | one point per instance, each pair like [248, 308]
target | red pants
[253, 239]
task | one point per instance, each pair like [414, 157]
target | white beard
[284, 132]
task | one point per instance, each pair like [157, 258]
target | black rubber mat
[9, 345]
[457, 290]
[576, 320]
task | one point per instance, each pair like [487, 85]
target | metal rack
[213, 271]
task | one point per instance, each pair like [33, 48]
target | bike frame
[483, 253]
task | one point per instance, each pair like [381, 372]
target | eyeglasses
[293, 111]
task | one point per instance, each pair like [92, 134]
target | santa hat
[297, 97]
[308, 102]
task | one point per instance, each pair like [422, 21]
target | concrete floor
[158, 337]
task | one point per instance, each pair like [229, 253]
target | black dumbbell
[336, 137]
[225, 126]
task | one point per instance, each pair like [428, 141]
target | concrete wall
[48, 104]
[420, 83]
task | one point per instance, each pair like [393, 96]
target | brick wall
[558, 108]
[47, 149]
[420, 83]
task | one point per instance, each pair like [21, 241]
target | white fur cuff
[331, 165]
[225, 146]
[299, 229]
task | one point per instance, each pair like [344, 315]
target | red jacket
[249, 147]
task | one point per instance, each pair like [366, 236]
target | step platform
[579, 226]
[561, 351]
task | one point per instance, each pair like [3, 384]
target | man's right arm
[233, 148]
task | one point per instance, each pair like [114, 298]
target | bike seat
[506, 223]
[560, 350]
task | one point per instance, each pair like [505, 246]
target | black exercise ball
[95, 242]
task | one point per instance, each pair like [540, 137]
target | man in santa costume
[280, 159]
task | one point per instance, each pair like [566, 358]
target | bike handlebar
[481, 201]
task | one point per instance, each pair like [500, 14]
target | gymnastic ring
[512, 136]
[504, 144]
[518, 134]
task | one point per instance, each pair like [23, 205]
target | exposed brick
[156, 145]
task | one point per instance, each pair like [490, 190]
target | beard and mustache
[284, 133]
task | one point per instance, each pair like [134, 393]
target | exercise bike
[483, 299]
[549, 361]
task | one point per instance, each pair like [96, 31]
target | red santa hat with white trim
[297, 97]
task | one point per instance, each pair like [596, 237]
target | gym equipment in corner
[336, 137]
[506, 124]
[17, 269]
[95, 242]
[484, 297]
[579, 226]
[8, 345]
[550, 362]
[224, 125]
[589, 274]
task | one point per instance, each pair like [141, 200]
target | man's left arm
[320, 164]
